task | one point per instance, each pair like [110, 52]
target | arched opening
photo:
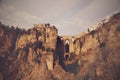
[66, 57]
[67, 46]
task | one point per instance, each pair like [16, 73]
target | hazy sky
[71, 17]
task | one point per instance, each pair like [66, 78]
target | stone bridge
[68, 44]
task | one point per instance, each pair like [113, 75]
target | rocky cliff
[40, 54]
[27, 54]
[98, 52]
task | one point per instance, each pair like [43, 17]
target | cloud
[98, 9]
[11, 16]
[46, 8]
[69, 16]
[95, 11]
[53, 11]
[92, 13]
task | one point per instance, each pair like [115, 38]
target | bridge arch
[67, 46]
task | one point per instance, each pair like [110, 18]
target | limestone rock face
[45, 34]
[33, 52]
[49, 61]
[97, 52]
[8, 37]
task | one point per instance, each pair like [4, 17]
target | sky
[71, 17]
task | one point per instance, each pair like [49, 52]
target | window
[67, 46]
